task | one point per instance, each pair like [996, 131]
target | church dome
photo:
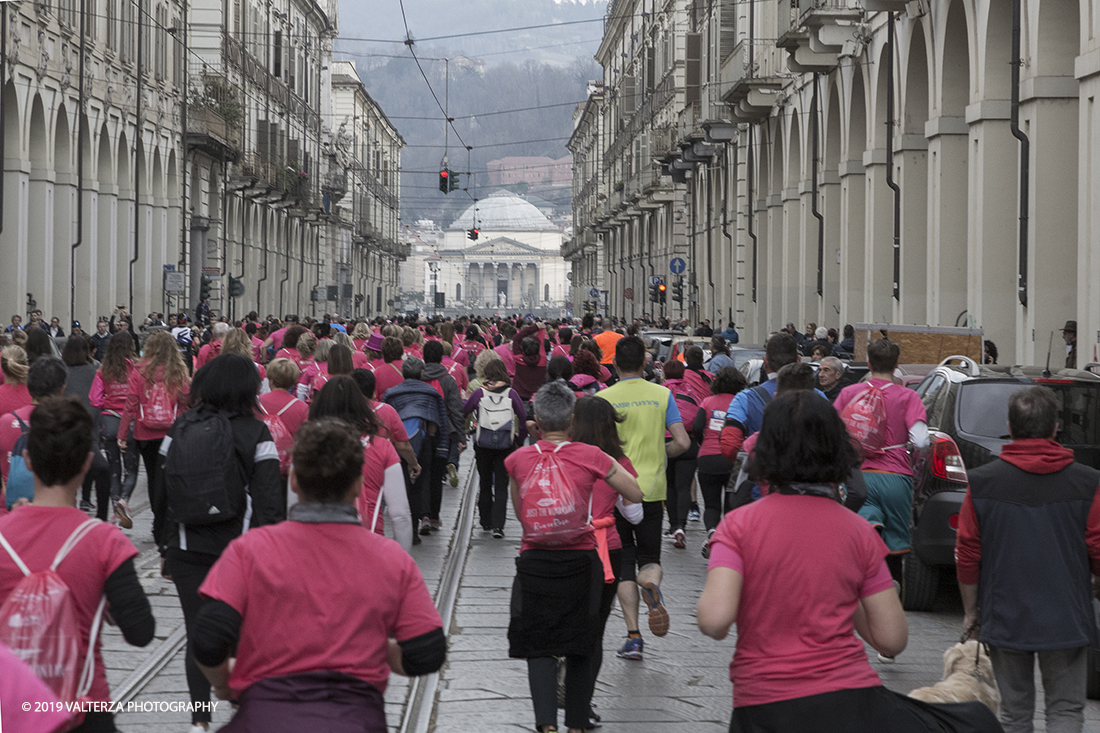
[503, 211]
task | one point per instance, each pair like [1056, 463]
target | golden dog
[962, 680]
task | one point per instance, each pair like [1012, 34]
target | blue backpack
[20, 478]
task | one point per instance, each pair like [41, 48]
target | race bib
[717, 420]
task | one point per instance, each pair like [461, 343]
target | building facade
[514, 266]
[871, 161]
[93, 154]
[144, 139]
[363, 198]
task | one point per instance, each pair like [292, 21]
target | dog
[963, 680]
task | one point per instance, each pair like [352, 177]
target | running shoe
[86, 506]
[122, 514]
[678, 539]
[886, 660]
[694, 515]
[435, 524]
[498, 534]
[658, 616]
[706, 544]
[632, 649]
[425, 526]
[452, 474]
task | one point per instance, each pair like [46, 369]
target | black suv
[967, 407]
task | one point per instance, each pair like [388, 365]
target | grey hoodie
[451, 397]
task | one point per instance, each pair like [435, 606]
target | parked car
[967, 406]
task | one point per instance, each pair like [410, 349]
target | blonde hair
[306, 343]
[283, 373]
[321, 352]
[237, 342]
[362, 331]
[391, 329]
[160, 353]
[410, 336]
[343, 339]
[13, 362]
[482, 359]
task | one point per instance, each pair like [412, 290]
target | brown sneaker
[658, 616]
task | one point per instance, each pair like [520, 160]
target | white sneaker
[886, 660]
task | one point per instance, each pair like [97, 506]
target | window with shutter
[263, 140]
[727, 23]
[692, 58]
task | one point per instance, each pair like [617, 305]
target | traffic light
[358, 299]
[444, 180]
[662, 293]
[473, 233]
[653, 294]
[236, 287]
[453, 178]
[678, 290]
[204, 288]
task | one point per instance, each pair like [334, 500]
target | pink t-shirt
[12, 397]
[291, 354]
[603, 504]
[584, 465]
[714, 409]
[393, 428]
[386, 375]
[806, 562]
[319, 597]
[9, 434]
[257, 345]
[37, 533]
[277, 338]
[505, 352]
[457, 372]
[904, 409]
[378, 455]
[294, 416]
[359, 360]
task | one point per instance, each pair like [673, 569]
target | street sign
[677, 265]
[169, 268]
[174, 282]
[656, 280]
[628, 293]
[594, 293]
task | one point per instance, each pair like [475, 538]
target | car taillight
[947, 463]
[953, 521]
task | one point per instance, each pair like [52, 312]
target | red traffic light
[662, 287]
[443, 173]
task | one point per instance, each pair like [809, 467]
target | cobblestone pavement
[682, 686]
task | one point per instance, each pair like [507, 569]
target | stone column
[948, 211]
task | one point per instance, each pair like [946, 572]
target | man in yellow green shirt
[649, 411]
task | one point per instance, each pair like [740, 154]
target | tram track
[419, 713]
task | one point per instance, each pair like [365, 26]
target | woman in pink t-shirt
[318, 609]
[596, 422]
[714, 469]
[799, 573]
[571, 571]
[341, 398]
[13, 392]
[110, 388]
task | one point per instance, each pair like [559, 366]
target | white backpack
[496, 420]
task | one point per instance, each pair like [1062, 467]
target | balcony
[815, 32]
[897, 6]
[214, 117]
[750, 97]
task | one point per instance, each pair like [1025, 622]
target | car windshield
[983, 409]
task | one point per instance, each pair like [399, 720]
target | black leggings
[712, 486]
[607, 600]
[678, 474]
[150, 456]
[100, 476]
[188, 576]
[492, 498]
[542, 673]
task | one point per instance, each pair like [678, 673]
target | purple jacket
[517, 405]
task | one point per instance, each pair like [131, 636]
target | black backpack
[204, 476]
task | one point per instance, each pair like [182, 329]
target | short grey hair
[412, 368]
[554, 406]
[220, 329]
[833, 363]
[821, 333]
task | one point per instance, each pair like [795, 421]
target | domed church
[514, 265]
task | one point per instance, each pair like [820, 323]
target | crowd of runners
[280, 453]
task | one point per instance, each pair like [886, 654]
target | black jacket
[1034, 590]
[266, 505]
